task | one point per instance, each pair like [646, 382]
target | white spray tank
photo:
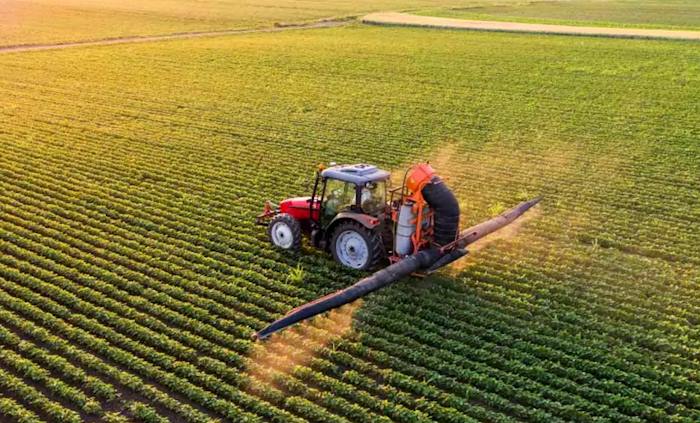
[405, 228]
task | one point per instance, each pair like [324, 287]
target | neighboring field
[677, 14]
[131, 272]
[51, 21]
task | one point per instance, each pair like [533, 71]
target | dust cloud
[505, 233]
[298, 345]
[445, 161]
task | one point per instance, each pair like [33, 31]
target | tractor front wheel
[356, 247]
[285, 232]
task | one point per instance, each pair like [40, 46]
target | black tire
[284, 232]
[372, 241]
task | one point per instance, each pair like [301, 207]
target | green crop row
[12, 410]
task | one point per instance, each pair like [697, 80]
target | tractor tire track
[327, 23]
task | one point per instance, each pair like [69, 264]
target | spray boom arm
[429, 259]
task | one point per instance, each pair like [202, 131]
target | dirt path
[405, 19]
[175, 36]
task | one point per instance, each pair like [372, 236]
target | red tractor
[353, 214]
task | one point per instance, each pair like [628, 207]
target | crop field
[672, 14]
[132, 274]
[55, 21]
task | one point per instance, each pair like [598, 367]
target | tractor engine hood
[296, 202]
[298, 207]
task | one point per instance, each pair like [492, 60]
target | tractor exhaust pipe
[424, 259]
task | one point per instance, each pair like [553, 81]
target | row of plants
[59, 365]
[92, 362]
[160, 368]
[13, 385]
[35, 373]
[14, 411]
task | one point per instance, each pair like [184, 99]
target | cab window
[340, 196]
[373, 197]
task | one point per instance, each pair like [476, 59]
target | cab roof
[358, 174]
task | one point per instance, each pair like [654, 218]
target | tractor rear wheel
[356, 247]
[285, 232]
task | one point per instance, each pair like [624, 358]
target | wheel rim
[352, 250]
[282, 235]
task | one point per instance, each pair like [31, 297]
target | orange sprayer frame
[416, 178]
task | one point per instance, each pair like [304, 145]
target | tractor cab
[359, 188]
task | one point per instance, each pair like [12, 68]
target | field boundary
[325, 23]
[406, 19]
